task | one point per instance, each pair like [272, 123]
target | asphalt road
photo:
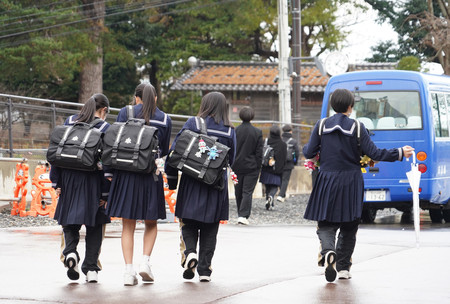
[252, 264]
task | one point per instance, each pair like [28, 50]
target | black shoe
[189, 266]
[330, 263]
[71, 262]
[269, 203]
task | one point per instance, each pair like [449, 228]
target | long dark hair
[147, 93]
[95, 102]
[214, 104]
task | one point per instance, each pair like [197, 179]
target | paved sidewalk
[254, 264]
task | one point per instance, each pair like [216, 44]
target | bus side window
[440, 117]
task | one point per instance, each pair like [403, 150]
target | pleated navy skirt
[268, 178]
[337, 196]
[80, 196]
[198, 201]
[136, 196]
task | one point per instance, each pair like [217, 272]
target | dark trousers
[271, 190]
[345, 244]
[244, 192]
[285, 177]
[94, 239]
[191, 232]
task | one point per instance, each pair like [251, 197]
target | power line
[91, 18]
[54, 16]
[118, 22]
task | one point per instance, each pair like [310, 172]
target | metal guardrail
[26, 123]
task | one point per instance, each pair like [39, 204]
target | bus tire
[446, 215]
[436, 215]
[368, 215]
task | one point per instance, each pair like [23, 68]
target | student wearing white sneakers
[337, 195]
[247, 165]
[82, 199]
[138, 196]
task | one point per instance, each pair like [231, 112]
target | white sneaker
[130, 279]
[280, 199]
[145, 272]
[204, 278]
[92, 276]
[189, 266]
[243, 221]
[71, 262]
[330, 266]
[344, 275]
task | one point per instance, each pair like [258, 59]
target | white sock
[129, 268]
[145, 259]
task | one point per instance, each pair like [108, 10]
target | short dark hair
[287, 128]
[341, 99]
[275, 131]
[246, 114]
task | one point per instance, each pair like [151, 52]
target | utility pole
[297, 53]
[284, 86]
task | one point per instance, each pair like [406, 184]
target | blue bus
[402, 108]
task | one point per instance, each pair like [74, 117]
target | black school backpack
[131, 145]
[268, 153]
[76, 146]
[200, 156]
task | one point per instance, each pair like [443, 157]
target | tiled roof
[255, 76]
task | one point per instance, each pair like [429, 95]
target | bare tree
[91, 75]
[438, 32]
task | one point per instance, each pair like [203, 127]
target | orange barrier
[44, 197]
[169, 196]
[20, 191]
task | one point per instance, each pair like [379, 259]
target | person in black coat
[201, 207]
[293, 149]
[82, 199]
[271, 175]
[249, 146]
[338, 191]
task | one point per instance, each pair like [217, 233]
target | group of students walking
[90, 198]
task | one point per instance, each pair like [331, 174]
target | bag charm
[201, 148]
[213, 152]
[233, 177]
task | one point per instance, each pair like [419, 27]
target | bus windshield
[387, 110]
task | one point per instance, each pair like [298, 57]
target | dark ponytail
[147, 93]
[97, 101]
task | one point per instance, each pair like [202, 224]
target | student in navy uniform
[271, 175]
[337, 195]
[82, 199]
[200, 207]
[249, 149]
[137, 196]
[290, 164]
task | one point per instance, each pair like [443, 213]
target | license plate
[375, 195]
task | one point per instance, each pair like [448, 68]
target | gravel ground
[289, 212]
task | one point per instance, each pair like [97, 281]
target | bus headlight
[421, 156]
[422, 168]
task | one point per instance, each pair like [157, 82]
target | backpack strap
[130, 112]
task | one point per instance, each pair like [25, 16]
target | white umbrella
[414, 182]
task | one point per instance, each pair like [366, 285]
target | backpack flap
[75, 146]
[200, 156]
[131, 146]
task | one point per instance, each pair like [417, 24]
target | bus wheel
[368, 215]
[436, 215]
[446, 215]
